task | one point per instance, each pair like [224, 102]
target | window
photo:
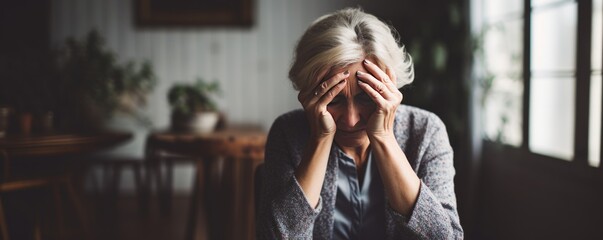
[541, 76]
[594, 138]
[552, 81]
[501, 42]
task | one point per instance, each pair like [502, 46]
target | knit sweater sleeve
[284, 211]
[434, 215]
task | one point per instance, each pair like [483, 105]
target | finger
[376, 84]
[330, 95]
[326, 85]
[375, 71]
[318, 91]
[373, 94]
[304, 93]
[392, 76]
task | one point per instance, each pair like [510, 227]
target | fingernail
[346, 72]
[358, 73]
[360, 82]
[366, 61]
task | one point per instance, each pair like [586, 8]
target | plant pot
[198, 122]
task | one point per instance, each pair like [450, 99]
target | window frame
[582, 80]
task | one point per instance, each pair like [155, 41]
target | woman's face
[351, 109]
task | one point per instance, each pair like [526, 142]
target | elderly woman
[354, 163]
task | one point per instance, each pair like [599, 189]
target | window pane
[552, 112]
[597, 36]
[503, 45]
[498, 9]
[554, 39]
[502, 83]
[503, 111]
[540, 3]
[594, 137]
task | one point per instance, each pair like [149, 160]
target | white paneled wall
[251, 64]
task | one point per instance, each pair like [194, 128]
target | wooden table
[49, 147]
[229, 201]
[60, 144]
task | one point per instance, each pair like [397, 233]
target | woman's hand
[312, 169]
[315, 100]
[399, 179]
[381, 87]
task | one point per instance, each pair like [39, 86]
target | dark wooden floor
[124, 220]
[117, 217]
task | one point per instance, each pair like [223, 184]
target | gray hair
[344, 37]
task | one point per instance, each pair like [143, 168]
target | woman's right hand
[312, 169]
[315, 99]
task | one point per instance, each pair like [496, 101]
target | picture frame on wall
[194, 13]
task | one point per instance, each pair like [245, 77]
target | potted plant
[93, 84]
[192, 107]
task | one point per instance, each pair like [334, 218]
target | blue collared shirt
[359, 210]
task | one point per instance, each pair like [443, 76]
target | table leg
[169, 186]
[79, 207]
[230, 194]
[160, 184]
[3, 228]
[245, 200]
[193, 211]
[155, 176]
[249, 205]
[142, 188]
[37, 231]
[214, 201]
[58, 209]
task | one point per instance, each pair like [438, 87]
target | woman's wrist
[401, 183]
[312, 169]
[382, 138]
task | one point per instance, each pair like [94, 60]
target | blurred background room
[143, 119]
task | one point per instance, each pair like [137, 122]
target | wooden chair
[113, 168]
[237, 151]
[37, 154]
[10, 184]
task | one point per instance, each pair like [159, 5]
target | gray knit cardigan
[284, 212]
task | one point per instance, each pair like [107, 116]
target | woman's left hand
[381, 88]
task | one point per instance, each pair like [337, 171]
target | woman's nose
[351, 117]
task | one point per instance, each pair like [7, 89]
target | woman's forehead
[357, 66]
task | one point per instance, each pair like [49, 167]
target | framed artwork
[194, 12]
